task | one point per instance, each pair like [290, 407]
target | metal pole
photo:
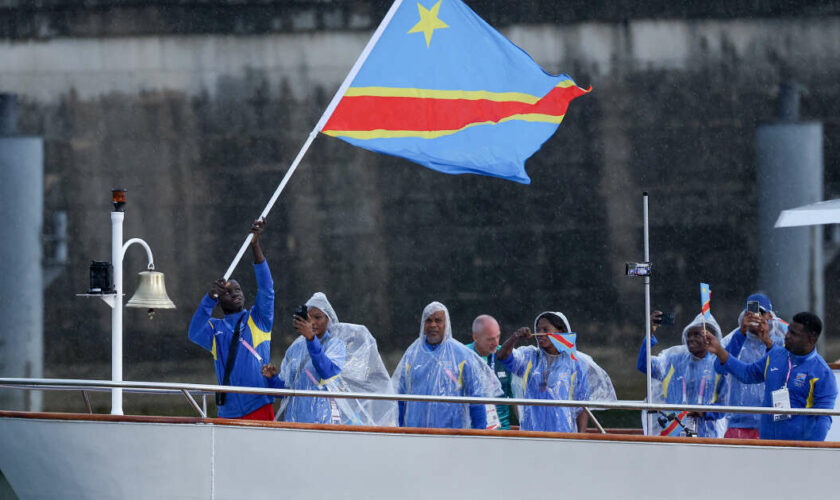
[117, 310]
[649, 386]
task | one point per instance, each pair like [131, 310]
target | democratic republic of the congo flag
[674, 427]
[444, 89]
[706, 301]
[564, 342]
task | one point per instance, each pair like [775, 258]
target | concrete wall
[200, 128]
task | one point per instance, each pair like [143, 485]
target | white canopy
[823, 212]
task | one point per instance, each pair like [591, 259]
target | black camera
[302, 312]
[753, 307]
[666, 319]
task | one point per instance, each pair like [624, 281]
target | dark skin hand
[257, 229]
[269, 370]
[655, 320]
[758, 324]
[507, 348]
[714, 346]
[525, 333]
[304, 327]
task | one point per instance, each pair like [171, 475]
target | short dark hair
[810, 321]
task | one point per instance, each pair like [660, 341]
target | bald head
[486, 334]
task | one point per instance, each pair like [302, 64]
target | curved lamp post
[151, 293]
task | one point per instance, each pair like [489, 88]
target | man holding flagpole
[240, 342]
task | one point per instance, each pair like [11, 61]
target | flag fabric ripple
[706, 301]
[444, 89]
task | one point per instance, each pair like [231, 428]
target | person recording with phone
[759, 329]
[331, 356]
[240, 342]
[686, 375]
[794, 376]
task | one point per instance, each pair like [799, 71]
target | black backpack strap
[231, 359]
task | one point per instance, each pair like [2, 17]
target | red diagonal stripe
[561, 340]
[410, 113]
[673, 425]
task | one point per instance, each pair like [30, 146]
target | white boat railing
[173, 388]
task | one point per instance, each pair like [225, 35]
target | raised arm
[263, 312]
[257, 229]
[507, 348]
[748, 374]
[327, 363]
[641, 361]
[201, 331]
[512, 360]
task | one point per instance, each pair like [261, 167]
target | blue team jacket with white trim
[811, 385]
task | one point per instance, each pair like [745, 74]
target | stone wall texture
[199, 125]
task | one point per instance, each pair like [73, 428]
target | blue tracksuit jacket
[809, 380]
[215, 335]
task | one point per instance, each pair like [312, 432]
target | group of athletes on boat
[762, 362]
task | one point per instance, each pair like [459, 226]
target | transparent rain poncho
[539, 375]
[739, 393]
[353, 350]
[679, 377]
[447, 369]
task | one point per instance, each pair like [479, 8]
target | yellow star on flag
[429, 21]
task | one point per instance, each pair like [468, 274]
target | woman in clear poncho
[685, 374]
[543, 372]
[437, 365]
[340, 357]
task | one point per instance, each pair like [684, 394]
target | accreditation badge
[493, 421]
[781, 399]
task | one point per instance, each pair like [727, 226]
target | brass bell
[151, 293]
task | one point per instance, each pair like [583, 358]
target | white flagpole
[324, 117]
[647, 308]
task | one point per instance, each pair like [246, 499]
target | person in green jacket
[486, 335]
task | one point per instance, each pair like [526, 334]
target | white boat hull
[119, 459]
